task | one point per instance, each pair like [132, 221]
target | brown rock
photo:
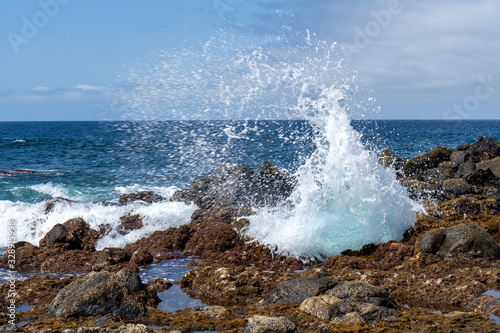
[131, 222]
[387, 158]
[146, 196]
[216, 237]
[141, 257]
[427, 161]
[172, 239]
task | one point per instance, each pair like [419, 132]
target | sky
[66, 59]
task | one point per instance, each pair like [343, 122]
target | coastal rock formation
[233, 185]
[262, 324]
[100, 294]
[145, 196]
[467, 239]
[298, 290]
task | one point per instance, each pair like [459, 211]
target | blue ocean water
[89, 161]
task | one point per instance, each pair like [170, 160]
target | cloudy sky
[63, 59]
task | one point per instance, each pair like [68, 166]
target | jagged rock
[213, 237]
[438, 175]
[131, 222]
[482, 178]
[485, 146]
[161, 284]
[50, 203]
[146, 196]
[456, 186]
[213, 311]
[418, 189]
[112, 256]
[72, 234]
[98, 294]
[360, 292]
[388, 158]
[141, 257]
[493, 165]
[161, 241]
[325, 306]
[261, 324]
[232, 185]
[292, 291]
[349, 319]
[466, 239]
[465, 168]
[427, 161]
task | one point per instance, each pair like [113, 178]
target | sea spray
[344, 197]
[33, 221]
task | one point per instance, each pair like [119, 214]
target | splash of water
[344, 198]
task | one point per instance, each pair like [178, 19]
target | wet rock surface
[100, 294]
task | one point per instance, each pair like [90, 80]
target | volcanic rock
[261, 324]
[146, 196]
[419, 164]
[456, 186]
[292, 291]
[493, 165]
[100, 294]
[388, 158]
[466, 239]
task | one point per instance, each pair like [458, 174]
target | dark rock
[98, 294]
[16, 172]
[485, 146]
[146, 196]
[141, 257]
[262, 324]
[232, 185]
[131, 222]
[212, 238]
[456, 186]
[387, 158]
[427, 161]
[112, 256]
[292, 291]
[465, 168]
[457, 158]
[161, 284]
[419, 189]
[463, 147]
[50, 203]
[466, 239]
[438, 175]
[493, 165]
[58, 234]
[183, 195]
[360, 292]
[161, 241]
[482, 178]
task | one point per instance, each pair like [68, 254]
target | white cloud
[42, 89]
[88, 87]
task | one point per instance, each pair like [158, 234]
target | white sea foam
[18, 141]
[32, 222]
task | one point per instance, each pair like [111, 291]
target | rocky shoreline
[440, 277]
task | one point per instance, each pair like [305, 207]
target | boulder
[493, 165]
[145, 196]
[131, 222]
[482, 178]
[466, 239]
[426, 161]
[292, 291]
[484, 147]
[99, 294]
[141, 257]
[438, 175]
[233, 185]
[72, 234]
[456, 186]
[112, 256]
[325, 306]
[388, 159]
[360, 292]
[216, 237]
[465, 168]
[261, 324]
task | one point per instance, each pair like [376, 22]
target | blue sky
[63, 59]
